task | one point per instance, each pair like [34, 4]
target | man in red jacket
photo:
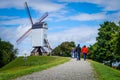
[84, 51]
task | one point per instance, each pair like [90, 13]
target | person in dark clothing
[78, 51]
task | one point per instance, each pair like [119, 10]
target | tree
[116, 42]
[93, 52]
[64, 49]
[104, 48]
[7, 52]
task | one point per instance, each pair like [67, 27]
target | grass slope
[105, 72]
[20, 67]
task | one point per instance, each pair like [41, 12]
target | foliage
[118, 67]
[105, 72]
[117, 45]
[64, 49]
[108, 43]
[19, 67]
[7, 52]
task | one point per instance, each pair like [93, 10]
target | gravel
[72, 70]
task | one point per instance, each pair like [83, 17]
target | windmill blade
[43, 17]
[23, 36]
[28, 11]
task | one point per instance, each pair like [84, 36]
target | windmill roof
[39, 25]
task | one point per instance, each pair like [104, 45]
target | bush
[7, 53]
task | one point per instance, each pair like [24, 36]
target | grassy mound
[20, 67]
[105, 72]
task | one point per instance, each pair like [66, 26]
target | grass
[105, 72]
[20, 67]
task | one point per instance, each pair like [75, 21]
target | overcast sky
[68, 20]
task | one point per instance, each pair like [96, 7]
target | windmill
[38, 33]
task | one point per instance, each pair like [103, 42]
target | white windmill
[38, 34]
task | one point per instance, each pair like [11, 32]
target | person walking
[84, 51]
[73, 53]
[78, 50]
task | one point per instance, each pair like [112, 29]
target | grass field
[105, 72]
[20, 67]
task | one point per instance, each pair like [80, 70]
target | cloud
[82, 34]
[110, 5]
[11, 34]
[17, 21]
[27, 48]
[46, 6]
[88, 17]
[88, 1]
[39, 5]
[115, 17]
[8, 17]
[22, 29]
[8, 34]
[56, 17]
[12, 4]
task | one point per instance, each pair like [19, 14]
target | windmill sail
[43, 17]
[23, 36]
[27, 32]
[28, 11]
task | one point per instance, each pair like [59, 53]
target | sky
[68, 20]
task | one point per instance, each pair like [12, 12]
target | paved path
[72, 70]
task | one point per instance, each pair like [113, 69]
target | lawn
[105, 72]
[20, 67]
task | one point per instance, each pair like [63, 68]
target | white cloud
[26, 41]
[115, 17]
[89, 1]
[82, 34]
[56, 17]
[16, 21]
[8, 17]
[11, 34]
[8, 34]
[88, 17]
[22, 29]
[109, 5]
[12, 4]
[39, 5]
[46, 6]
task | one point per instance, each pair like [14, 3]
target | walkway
[72, 70]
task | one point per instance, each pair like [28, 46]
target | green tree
[104, 48]
[116, 42]
[7, 52]
[93, 52]
[64, 49]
